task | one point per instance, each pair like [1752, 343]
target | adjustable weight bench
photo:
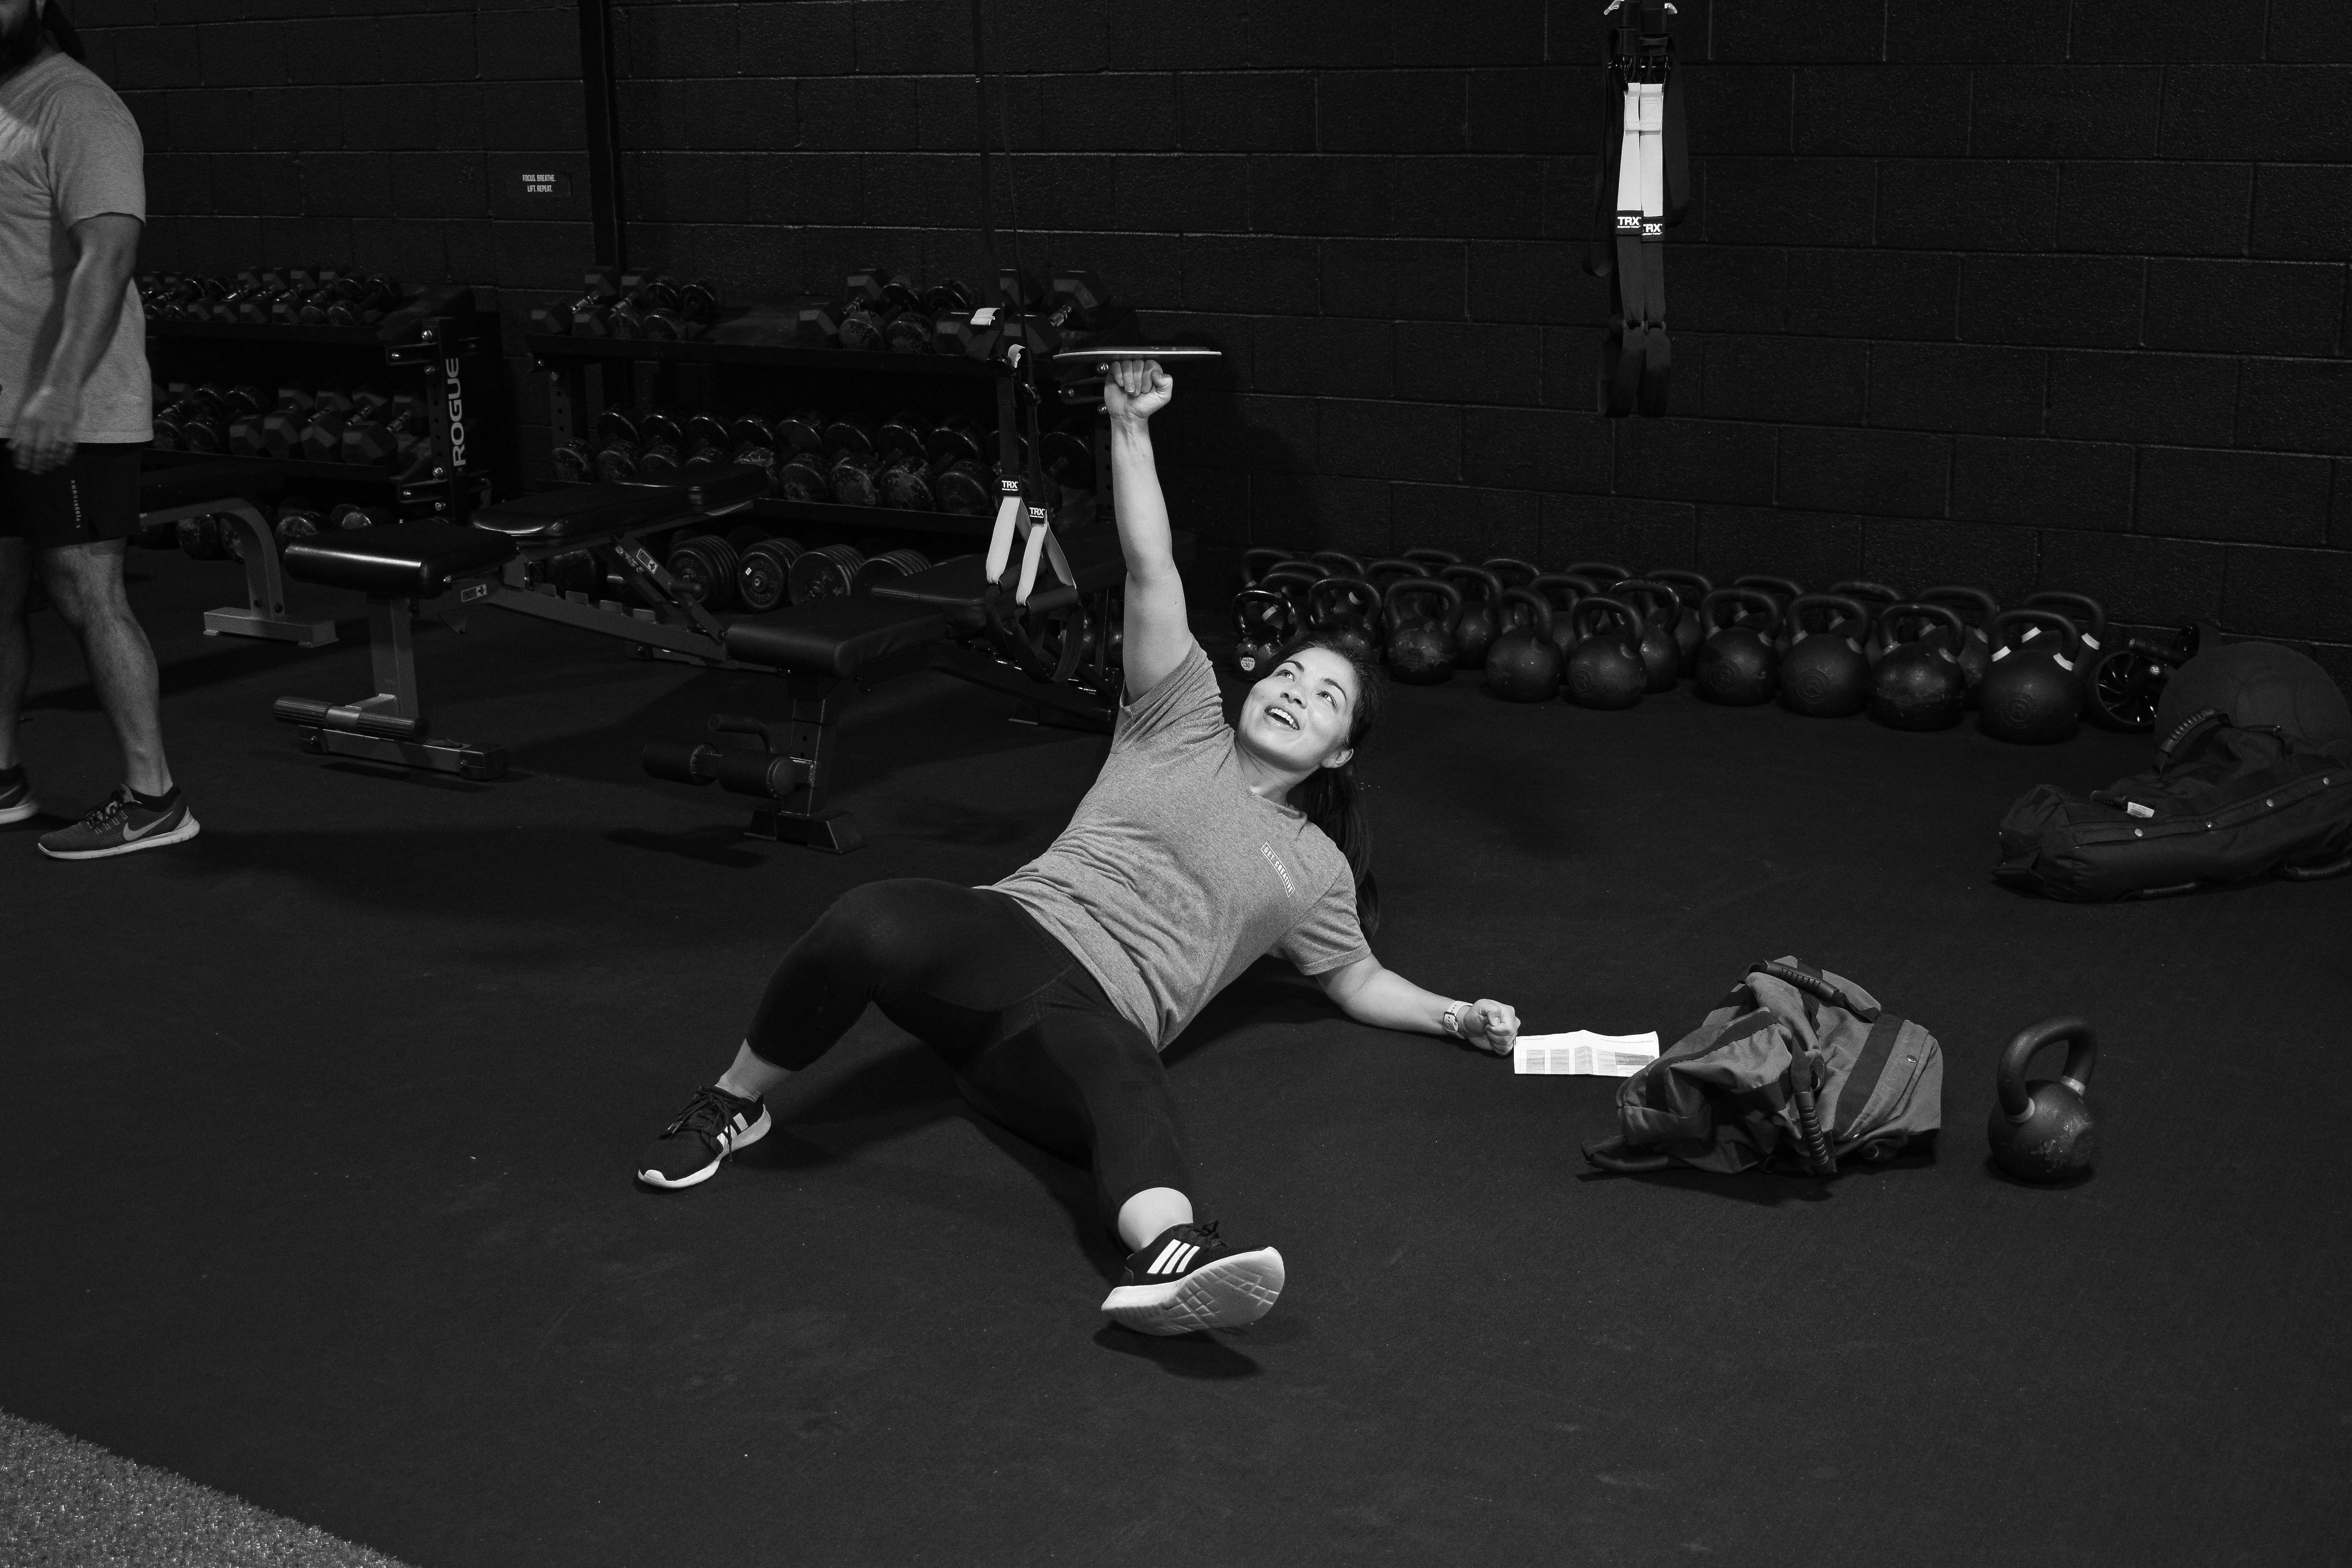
[936, 619]
[1057, 653]
[228, 487]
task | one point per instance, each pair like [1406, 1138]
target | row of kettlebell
[1608, 637]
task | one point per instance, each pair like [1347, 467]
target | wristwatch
[1451, 1022]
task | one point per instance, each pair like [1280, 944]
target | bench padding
[840, 636]
[224, 479]
[399, 561]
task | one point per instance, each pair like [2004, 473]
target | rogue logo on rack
[455, 394]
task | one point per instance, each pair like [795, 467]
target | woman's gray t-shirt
[1173, 877]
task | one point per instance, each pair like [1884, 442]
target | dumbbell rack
[586, 375]
[456, 396]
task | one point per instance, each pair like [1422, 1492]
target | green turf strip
[65, 1503]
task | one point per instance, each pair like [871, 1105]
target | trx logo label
[1280, 871]
[1629, 222]
[1653, 228]
[454, 390]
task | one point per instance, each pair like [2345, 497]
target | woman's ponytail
[1329, 796]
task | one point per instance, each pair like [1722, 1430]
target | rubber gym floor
[320, 1131]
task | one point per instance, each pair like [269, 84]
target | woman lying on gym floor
[1201, 848]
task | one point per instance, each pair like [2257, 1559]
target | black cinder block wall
[2022, 292]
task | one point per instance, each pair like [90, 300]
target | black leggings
[1035, 1044]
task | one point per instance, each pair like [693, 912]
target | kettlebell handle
[1746, 599]
[1854, 617]
[1629, 621]
[2081, 1057]
[1489, 585]
[1894, 617]
[1538, 607]
[1272, 609]
[1690, 588]
[1656, 601]
[1560, 591]
[1363, 600]
[1405, 589]
[2069, 637]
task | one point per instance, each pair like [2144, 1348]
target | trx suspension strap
[1641, 190]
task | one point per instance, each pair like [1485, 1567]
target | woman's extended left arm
[1370, 994]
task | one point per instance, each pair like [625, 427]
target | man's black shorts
[93, 495]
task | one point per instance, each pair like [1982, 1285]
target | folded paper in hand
[1582, 1051]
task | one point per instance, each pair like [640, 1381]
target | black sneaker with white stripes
[1187, 1278]
[713, 1125]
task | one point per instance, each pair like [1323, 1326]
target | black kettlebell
[1606, 669]
[1475, 624]
[1602, 572]
[1338, 562]
[1738, 664]
[1431, 559]
[1263, 623]
[1918, 685]
[1877, 598]
[1785, 591]
[1562, 593]
[1421, 651]
[1975, 645]
[1661, 654]
[2090, 618]
[1690, 588]
[1524, 665]
[1347, 610]
[2042, 1130]
[1293, 580]
[1825, 674]
[2032, 691]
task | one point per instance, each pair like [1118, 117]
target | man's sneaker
[121, 826]
[1187, 1278]
[16, 802]
[713, 1125]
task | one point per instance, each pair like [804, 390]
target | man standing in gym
[75, 409]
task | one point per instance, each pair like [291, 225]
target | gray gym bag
[1798, 1066]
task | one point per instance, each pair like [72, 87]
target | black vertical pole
[603, 133]
[987, 180]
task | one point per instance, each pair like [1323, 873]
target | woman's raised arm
[1159, 637]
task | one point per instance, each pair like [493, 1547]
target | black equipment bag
[2221, 804]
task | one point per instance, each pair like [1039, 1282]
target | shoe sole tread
[1225, 1294]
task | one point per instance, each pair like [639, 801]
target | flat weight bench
[397, 567]
[228, 487]
[936, 619]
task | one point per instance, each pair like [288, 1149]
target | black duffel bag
[2221, 804]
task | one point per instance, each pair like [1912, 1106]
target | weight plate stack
[763, 581]
[705, 567]
[890, 564]
[827, 574]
